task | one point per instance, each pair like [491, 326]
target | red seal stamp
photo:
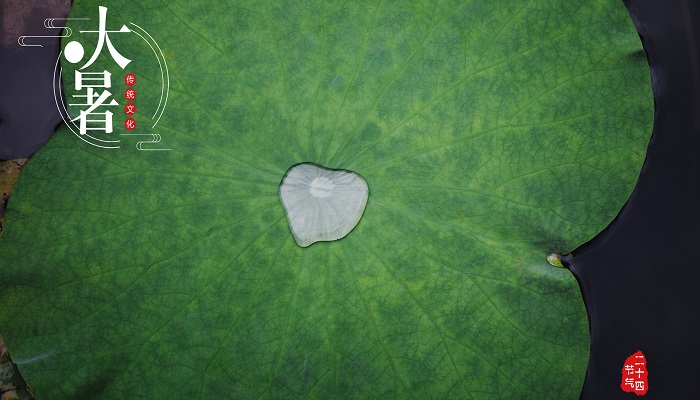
[635, 377]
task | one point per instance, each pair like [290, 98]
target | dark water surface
[640, 277]
[28, 112]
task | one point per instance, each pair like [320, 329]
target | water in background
[640, 278]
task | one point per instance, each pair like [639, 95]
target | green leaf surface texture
[489, 133]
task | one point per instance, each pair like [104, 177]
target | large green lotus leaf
[489, 134]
